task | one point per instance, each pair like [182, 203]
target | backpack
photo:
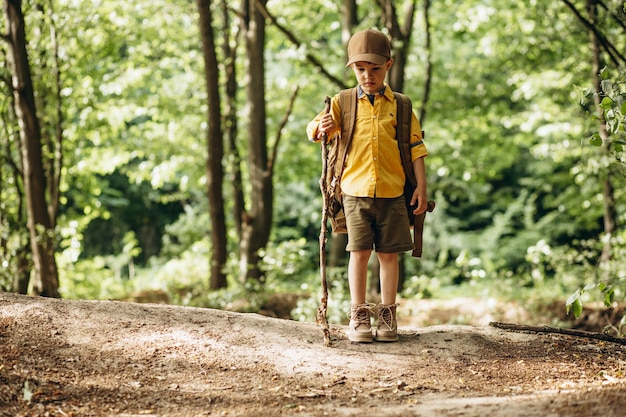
[339, 147]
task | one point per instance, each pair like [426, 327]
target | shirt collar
[385, 92]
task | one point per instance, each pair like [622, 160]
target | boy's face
[371, 77]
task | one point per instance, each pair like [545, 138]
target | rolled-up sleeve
[418, 148]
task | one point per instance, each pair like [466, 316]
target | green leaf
[577, 308]
[590, 287]
[572, 299]
[595, 140]
[606, 103]
[608, 297]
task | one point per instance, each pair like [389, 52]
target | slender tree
[230, 115]
[428, 71]
[50, 105]
[257, 220]
[215, 170]
[40, 228]
[14, 240]
[401, 37]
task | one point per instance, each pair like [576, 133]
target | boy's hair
[369, 45]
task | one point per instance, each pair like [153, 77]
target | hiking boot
[387, 326]
[360, 325]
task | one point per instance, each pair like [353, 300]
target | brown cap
[369, 45]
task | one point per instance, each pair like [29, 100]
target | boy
[373, 184]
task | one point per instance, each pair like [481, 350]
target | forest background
[158, 148]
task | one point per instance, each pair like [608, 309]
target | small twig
[281, 127]
[559, 330]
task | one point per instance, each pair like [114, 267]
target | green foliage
[606, 290]
[584, 268]
[338, 299]
[92, 280]
[613, 105]
[519, 201]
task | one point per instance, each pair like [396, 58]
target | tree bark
[16, 254]
[401, 38]
[257, 220]
[428, 71]
[49, 103]
[230, 119]
[45, 282]
[349, 21]
[215, 147]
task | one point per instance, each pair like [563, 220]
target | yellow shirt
[373, 165]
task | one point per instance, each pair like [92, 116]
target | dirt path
[105, 358]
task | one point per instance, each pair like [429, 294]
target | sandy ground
[108, 358]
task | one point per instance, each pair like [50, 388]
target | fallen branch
[548, 329]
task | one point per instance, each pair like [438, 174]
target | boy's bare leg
[360, 329]
[387, 326]
[389, 275]
[357, 275]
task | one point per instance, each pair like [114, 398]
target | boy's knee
[361, 255]
[386, 256]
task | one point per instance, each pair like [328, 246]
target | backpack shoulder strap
[347, 104]
[340, 146]
[404, 110]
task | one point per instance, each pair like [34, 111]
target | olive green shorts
[378, 223]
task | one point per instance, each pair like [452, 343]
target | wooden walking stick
[322, 309]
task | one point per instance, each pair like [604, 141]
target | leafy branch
[574, 303]
[613, 51]
[293, 39]
[613, 105]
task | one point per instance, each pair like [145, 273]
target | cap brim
[373, 58]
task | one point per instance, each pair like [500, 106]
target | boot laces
[385, 314]
[361, 313]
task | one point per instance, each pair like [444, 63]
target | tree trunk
[21, 279]
[51, 113]
[41, 233]
[257, 221]
[15, 244]
[230, 119]
[401, 39]
[610, 213]
[215, 170]
[337, 255]
[349, 16]
[428, 71]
